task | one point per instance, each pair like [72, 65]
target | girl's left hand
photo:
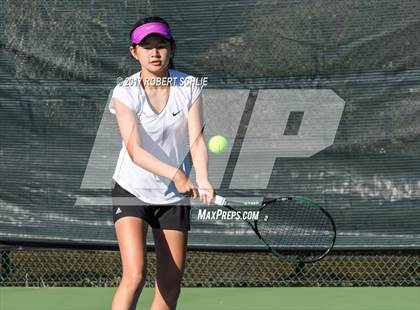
[205, 190]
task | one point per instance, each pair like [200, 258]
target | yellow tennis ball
[217, 144]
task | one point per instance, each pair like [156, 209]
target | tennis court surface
[299, 298]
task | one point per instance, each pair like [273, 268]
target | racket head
[296, 229]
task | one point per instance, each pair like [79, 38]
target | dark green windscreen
[316, 98]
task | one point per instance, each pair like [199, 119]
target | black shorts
[171, 216]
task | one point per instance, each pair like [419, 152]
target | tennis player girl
[159, 124]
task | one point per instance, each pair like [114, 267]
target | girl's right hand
[184, 185]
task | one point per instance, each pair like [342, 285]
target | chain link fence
[97, 268]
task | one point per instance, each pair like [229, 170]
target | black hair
[152, 19]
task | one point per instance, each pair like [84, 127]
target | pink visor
[144, 30]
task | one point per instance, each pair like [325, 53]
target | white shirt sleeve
[196, 90]
[123, 94]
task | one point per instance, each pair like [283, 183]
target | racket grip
[219, 200]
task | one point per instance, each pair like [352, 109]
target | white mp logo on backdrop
[268, 135]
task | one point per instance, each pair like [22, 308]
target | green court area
[302, 298]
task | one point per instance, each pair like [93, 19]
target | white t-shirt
[164, 135]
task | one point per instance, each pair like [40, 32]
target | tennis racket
[294, 229]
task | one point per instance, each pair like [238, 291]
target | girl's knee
[134, 280]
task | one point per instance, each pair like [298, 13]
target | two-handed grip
[217, 200]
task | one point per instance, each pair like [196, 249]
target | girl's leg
[171, 248]
[131, 235]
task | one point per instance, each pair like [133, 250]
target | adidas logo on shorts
[118, 211]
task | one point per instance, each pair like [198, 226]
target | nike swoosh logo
[176, 113]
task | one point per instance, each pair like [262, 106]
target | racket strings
[289, 226]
